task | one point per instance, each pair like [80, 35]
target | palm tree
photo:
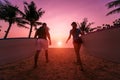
[9, 13]
[85, 26]
[114, 4]
[116, 23]
[32, 15]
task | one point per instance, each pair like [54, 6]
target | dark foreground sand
[61, 67]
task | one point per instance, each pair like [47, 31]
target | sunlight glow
[59, 43]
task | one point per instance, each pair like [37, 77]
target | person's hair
[44, 24]
[74, 23]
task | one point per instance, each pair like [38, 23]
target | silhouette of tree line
[113, 4]
[86, 28]
[12, 14]
[116, 24]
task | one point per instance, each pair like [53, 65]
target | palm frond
[38, 23]
[25, 3]
[7, 2]
[22, 25]
[113, 11]
[21, 20]
[85, 26]
[113, 4]
[20, 12]
[89, 24]
[41, 12]
[26, 10]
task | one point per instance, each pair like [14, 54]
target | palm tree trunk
[6, 34]
[30, 30]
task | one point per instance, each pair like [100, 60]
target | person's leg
[36, 58]
[45, 47]
[80, 58]
[77, 49]
[77, 52]
[46, 56]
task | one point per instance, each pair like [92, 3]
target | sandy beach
[61, 67]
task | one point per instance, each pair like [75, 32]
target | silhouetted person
[77, 41]
[43, 37]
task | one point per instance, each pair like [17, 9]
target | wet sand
[61, 67]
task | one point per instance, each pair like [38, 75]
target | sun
[59, 43]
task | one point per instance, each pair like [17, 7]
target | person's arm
[69, 37]
[49, 38]
[48, 35]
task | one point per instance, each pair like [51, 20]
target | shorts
[42, 44]
[79, 41]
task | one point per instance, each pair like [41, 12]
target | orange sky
[60, 13]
